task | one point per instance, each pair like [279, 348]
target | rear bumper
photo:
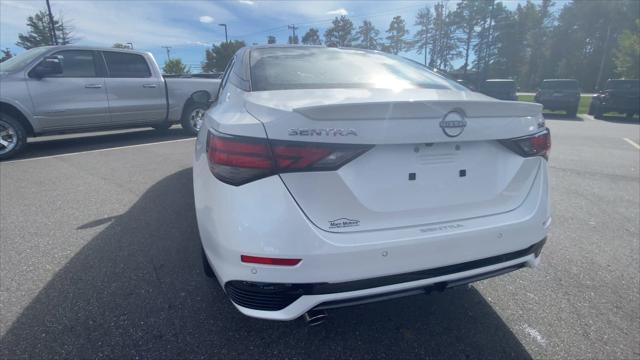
[262, 219]
[558, 103]
[281, 301]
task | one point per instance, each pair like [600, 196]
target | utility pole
[53, 26]
[226, 38]
[168, 48]
[293, 29]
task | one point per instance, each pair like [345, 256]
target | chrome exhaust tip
[315, 317]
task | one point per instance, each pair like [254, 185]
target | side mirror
[51, 65]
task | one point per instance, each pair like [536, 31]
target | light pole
[226, 38]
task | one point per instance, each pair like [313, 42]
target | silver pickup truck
[59, 89]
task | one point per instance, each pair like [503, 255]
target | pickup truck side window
[125, 65]
[77, 63]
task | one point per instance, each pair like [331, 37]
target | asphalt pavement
[99, 258]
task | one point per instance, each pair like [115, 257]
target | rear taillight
[534, 145]
[237, 160]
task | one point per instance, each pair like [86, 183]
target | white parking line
[633, 143]
[92, 151]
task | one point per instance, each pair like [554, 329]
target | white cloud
[248, 2]
[206, 19]
[341, 11]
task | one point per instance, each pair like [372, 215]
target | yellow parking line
[633, 143]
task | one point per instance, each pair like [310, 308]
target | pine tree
[340, 33]
[397, 31]
[421, 39]
[311, 37]
[367, 36]
[39, 33]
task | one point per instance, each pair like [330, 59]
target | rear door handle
[93, 86]
[150, 86]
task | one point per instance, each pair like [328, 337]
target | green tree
[39, 33]
[583, 42]
[627, 53]
[340, 33]
[294, 40]
[6, 55]
[444, 48]
[311, 37]
[175, 67]
[421, 39]
[367, 36]
[468, 16]
[504, 47]
[217, 58]
[397, 31]
[271, 39]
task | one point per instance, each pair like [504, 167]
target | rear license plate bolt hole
[463, 173]
[412, 176]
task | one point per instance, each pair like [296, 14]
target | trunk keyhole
[463, 172]
[412, 176]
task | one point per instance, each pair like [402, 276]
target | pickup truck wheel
[193, 118]
[13, 136]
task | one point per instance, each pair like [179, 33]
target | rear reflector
[237, 160]
[269, 261]
[534, 145]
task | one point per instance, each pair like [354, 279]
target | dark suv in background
[503, 89]
[559, 94]
[621, 96]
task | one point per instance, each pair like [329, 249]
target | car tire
[162, 127]
[13, 137]
[206, 267]
[193, 117]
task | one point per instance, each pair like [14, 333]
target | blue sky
[190, 26]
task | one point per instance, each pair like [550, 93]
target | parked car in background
[559, 94]
[503, 89]
[620, 96]
[58, 89]
[327, 177]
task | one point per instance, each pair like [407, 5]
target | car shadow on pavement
[71, 143]
[137, 289]
[556, 116]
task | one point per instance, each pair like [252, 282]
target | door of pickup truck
[72, 100]
[136, 91]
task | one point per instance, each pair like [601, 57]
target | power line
[286, 27]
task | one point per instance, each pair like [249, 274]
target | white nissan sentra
[328, 177]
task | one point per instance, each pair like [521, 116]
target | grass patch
[583, 107]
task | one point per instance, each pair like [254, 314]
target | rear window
[560, 85]
[331, 68]
[623, 84]
[500, 85]
[125, 65]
